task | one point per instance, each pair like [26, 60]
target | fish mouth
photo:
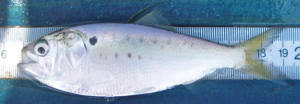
[32, 69]
[27, 58]
[22, 66]
[30, 63]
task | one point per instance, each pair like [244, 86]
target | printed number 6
[3, 55]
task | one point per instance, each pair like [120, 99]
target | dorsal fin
[132, 18]
[153, 19]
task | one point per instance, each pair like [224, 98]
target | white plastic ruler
[284, 52]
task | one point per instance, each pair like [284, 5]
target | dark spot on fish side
[140, 57]
[192, 44]
[116, 55]
[100, 54]
[127, 37]
[184, 43]
[114, 36]
[141, 39]
[169, 42]
[155, 41]
[93, 40]
[129, 55]
[162, 47]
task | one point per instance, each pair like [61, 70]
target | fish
[126, 59]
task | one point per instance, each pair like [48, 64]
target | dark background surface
[177, 12]
[203, 92]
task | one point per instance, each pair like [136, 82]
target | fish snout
[25, 58]
[22, 66]
[28, 56]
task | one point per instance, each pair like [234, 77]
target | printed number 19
[261, 52]
[284, 53]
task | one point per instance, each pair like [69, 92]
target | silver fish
[114, 59]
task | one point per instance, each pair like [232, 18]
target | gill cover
[54, 55]
[76, 48]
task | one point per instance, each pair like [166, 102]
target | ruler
[284, 52]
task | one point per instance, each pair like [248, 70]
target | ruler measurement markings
[282, 41]
[218, 35]
[283, 62]
[214, 34]
[240, 38]
[229, 37]
[211, 33]
[292, 32]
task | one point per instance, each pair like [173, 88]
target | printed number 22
[3, 54]
[297, 57]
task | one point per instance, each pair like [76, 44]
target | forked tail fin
[259, 67]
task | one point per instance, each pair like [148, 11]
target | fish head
[54, 56]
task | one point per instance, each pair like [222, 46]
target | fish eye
[41, 47]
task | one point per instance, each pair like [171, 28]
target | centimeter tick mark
[261, 42]
[282, 43]
[283, 62]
